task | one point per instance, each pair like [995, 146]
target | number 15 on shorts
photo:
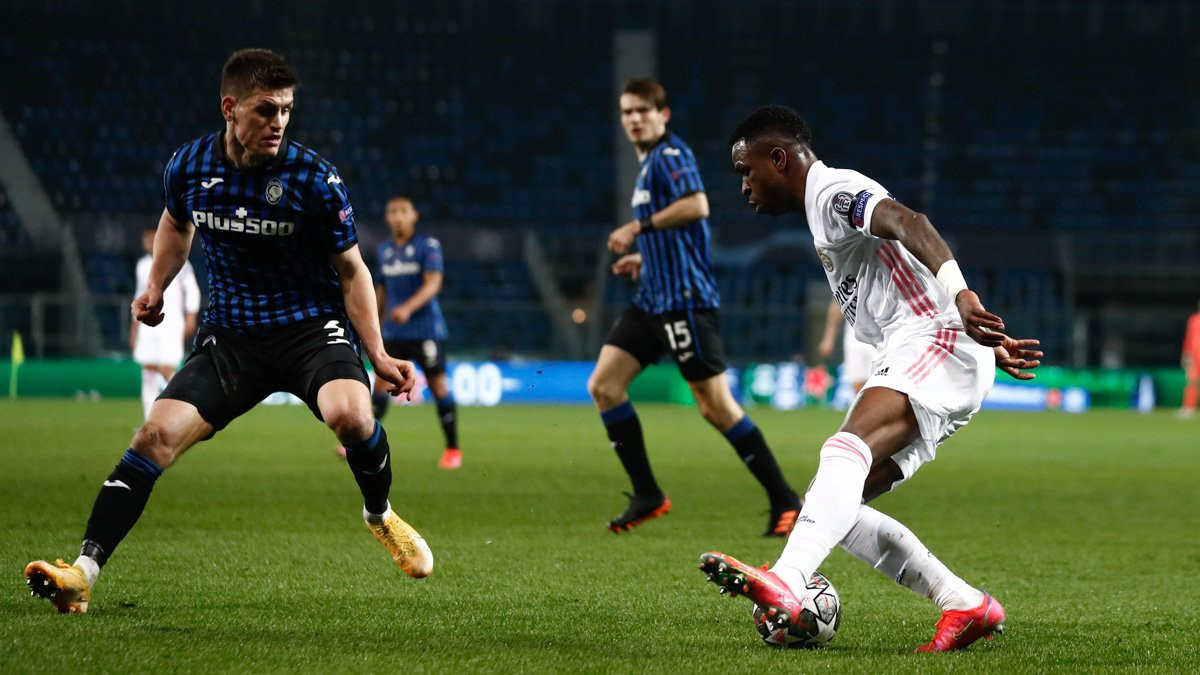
[679, 335]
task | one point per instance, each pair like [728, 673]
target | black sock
[379, 403]
[748, 441]
[448, 414]
[119, 505]
[370, 462]
[625, 432]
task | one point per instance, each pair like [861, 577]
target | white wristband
[951, 279]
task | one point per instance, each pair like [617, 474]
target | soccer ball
[818, 621]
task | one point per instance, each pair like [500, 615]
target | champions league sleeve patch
[860, 209]
[842, 202]
[346, 213]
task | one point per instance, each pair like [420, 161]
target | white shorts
[856, 358]
[946, 376]
[158, 347]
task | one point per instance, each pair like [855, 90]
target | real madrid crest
[825, 261]
[274, 191]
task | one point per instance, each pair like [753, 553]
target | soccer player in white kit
[856, 356]
[898, 285]
[159, 349]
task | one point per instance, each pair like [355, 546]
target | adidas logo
[881, 372]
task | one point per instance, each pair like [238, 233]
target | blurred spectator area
[1052, 143]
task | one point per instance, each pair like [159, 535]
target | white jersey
[163, 344]
[896, 304]
[880, 287]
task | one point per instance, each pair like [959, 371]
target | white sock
[830, 507]
[376, 518]
[150, 390]
[886, 544]
[91, 570]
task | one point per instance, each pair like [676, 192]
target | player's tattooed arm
[893, 220]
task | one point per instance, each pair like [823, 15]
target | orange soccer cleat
[640, 510]
[960, 627]
[406, 546]
[451, 459]
[780, 523]
[65, 586]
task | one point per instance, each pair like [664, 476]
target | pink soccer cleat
[779, 605]
[958, 628]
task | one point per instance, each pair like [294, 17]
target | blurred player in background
[412, 269]
[898, 285]
[290, 299]
[159, 349]
[674, 311]
[1190, 361]
[856, 355]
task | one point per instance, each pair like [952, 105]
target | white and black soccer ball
[818, 621]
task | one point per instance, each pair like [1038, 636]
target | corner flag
[18, 357]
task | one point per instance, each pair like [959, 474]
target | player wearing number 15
[290, 301]
[674, 311]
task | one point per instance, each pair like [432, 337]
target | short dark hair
[649, 89]
[248, 69]
[773, 119]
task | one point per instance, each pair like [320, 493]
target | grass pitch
[252, 555]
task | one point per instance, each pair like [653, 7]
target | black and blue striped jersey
[676, 272]
[267, 232]
[402, 269]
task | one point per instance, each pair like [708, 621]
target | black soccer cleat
[640, 509]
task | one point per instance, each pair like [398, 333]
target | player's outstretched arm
[172, 242]
[358, 293]
[893, 220]
[1016, 357]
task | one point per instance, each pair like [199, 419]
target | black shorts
[692, 338]
[228, 373]
[429, 355]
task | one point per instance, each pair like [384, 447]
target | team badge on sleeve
[842, 202]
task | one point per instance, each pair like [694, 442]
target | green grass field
[252, 555]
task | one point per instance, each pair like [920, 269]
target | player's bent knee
[158, 443]
[605, 393]
[350, 424]
[718, 411]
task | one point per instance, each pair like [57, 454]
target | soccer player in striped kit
[674, 311]
[898, 285]
[291, 301]
[411, 270]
